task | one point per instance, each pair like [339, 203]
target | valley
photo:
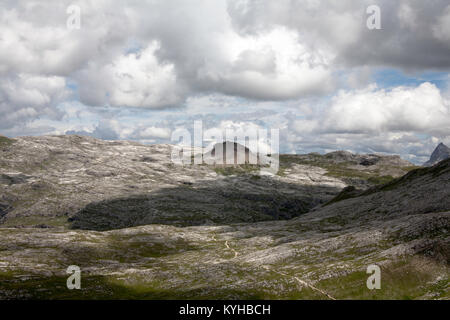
[140, 227]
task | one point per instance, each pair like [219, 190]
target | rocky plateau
[142, 227]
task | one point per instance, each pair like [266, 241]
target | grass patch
[346, 193]
[380, 179]
[36, 221]
[128, 250]
[4, 141]
[38, 287]
[236, 170]
[434, 172]
[407, 279]
[340, 170]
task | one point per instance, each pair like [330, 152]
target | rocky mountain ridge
[65, 177]
[441, 153]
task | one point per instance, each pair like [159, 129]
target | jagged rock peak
[441, 152]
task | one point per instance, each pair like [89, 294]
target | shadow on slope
[224, 201]
[412, 177]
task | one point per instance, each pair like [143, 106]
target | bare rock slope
[103, 185]
[140, 227]
[441, 153]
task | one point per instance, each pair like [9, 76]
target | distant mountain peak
[441, 152]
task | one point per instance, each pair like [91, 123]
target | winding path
[302, 282]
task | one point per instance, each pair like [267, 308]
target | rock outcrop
[441, 152]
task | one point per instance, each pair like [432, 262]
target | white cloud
[403, 120]
[273, 65]
[25, 96]
[216, 58]
[154, 132]
[35, 39]
[131, 80]
[250, 49]
[255, 137]
[419, 109]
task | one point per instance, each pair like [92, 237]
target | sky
[140, 70]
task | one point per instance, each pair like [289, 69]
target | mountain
[441, 152]
[113, 184]
[140, 227]
[221, 151]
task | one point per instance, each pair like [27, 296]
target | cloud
[257, 138]
[404, 120]
[272, 66]
[113, 129]
[146, 54]
[153, 132]
[442, 27]
[35, 39]
[24, 97]
[339, 27]
[132, 80]
[227, 61]
[372, 110]
[406, 40]
[106, 130]
[420, 109]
